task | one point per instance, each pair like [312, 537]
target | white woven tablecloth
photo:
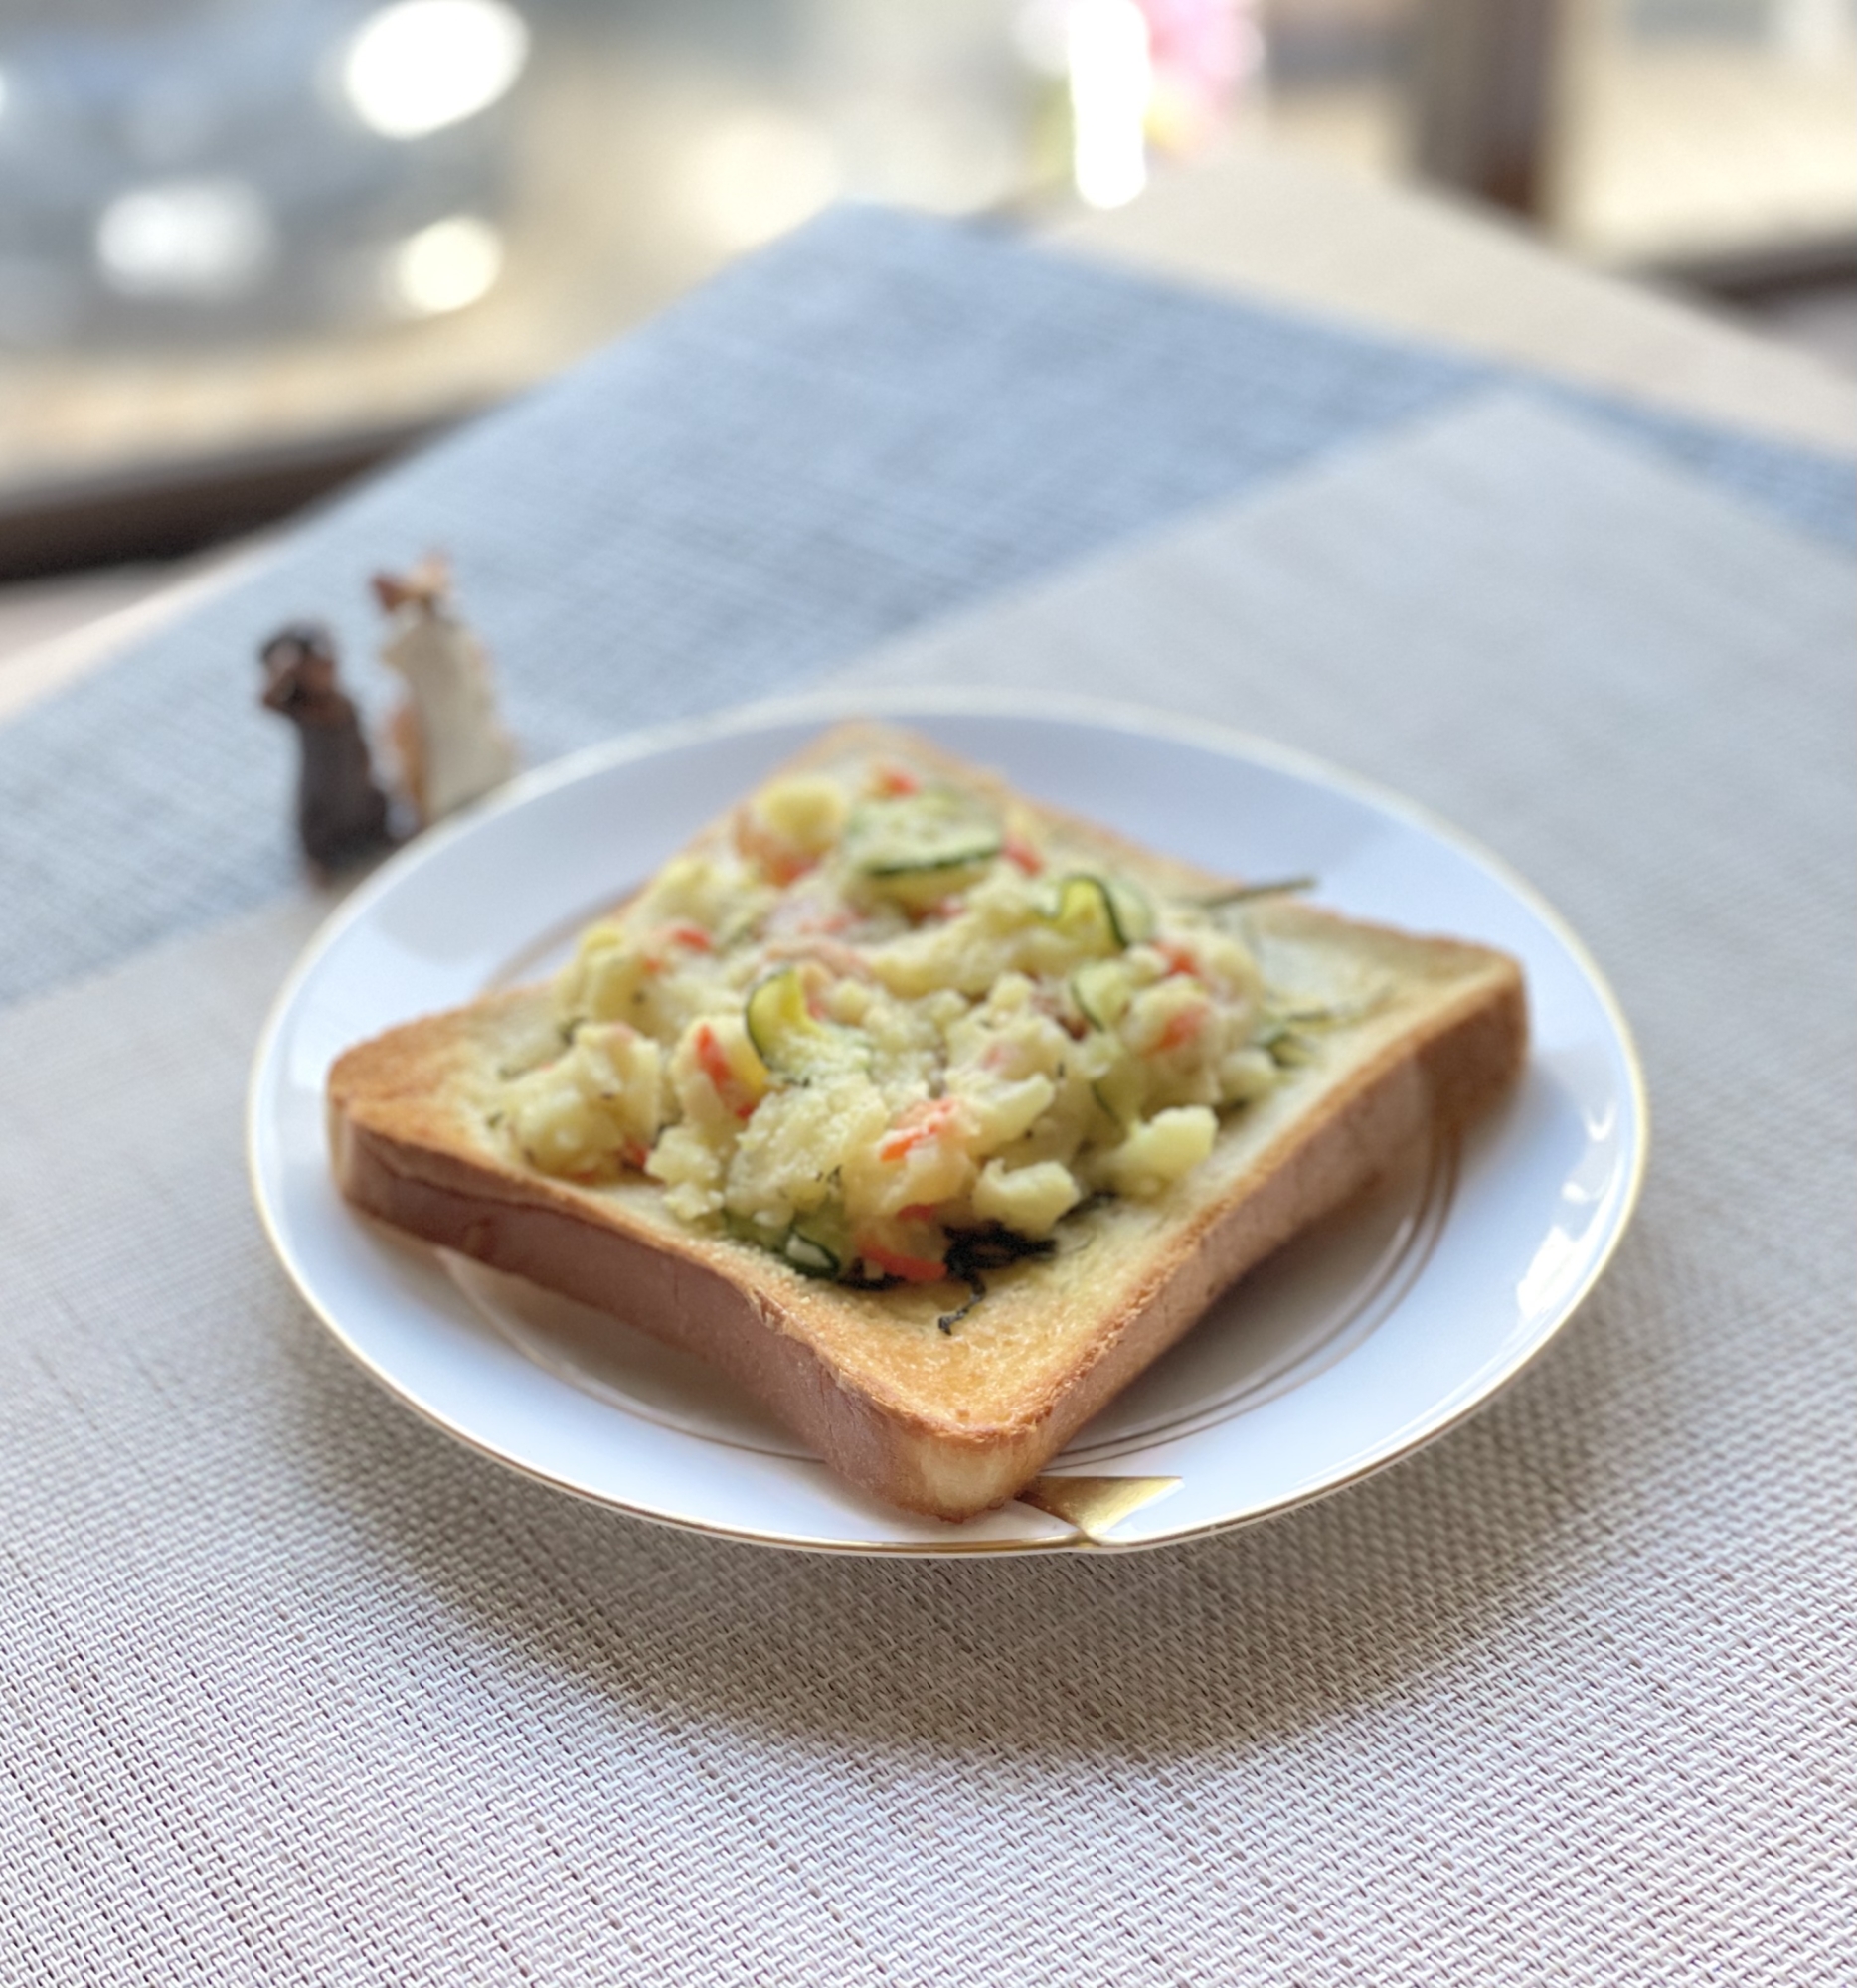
[294, 1690]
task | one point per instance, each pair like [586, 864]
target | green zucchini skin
[929, 834]
[790, 1038]
[1101, 992]
[810, 1257]
[1084, 897]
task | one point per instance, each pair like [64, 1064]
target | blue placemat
[881, 418]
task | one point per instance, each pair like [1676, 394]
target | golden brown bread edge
[401, 1156]
[407, 1149]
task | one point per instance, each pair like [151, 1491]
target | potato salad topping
[894, 1031]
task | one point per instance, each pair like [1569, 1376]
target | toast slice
[950, 1418]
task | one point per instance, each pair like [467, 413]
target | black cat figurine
[341, 813]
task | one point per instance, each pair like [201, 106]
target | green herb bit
[1331, 1014]
[1243, 893]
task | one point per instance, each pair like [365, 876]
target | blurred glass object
[444, 266]
[201, 171]
[232, 226]
[416, 67]
[205, 239]
[188, 171]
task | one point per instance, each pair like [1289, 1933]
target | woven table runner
[294, 1690]
[879, 420]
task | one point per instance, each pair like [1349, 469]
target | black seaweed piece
[948, 1320]
[992, 1250]
[975, 1250]
[853, 1283]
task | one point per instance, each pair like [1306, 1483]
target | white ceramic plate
[1347, 1350]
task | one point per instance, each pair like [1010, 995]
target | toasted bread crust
[935, 1426]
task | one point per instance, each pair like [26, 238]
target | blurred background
[248, 247]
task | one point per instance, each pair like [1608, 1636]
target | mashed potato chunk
[884, 1020]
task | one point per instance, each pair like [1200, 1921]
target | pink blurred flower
[1201, 51]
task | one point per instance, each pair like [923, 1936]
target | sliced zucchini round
[925, 834]
[1102, 911]
[747, 1229]
[790, 1040]
[1287, 1047]
[1121, 1090]
[808, 1255]
[812, 1244]
[1102, 991]
[1129, 910]
[1080, 912]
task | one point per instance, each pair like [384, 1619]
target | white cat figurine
[451, 743]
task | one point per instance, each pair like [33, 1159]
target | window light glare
[444, 266]
[1111, 81]
[204, 238]
[421, 64]
[753, 176]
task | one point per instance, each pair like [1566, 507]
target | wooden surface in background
[1287, 228]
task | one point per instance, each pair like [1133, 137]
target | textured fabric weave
[877, 421]
[294, 1690]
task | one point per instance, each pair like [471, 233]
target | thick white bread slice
[940, 1424]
